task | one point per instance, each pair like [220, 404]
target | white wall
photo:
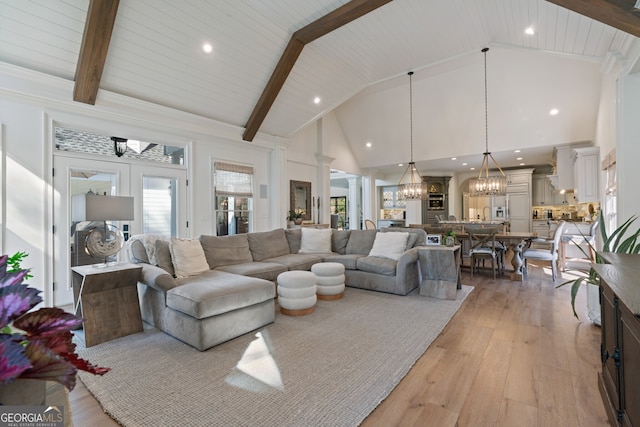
[27, 144]
[628, 147]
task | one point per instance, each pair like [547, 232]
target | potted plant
[295, 216]
[450, 238]
[613, 243]
[36, 344]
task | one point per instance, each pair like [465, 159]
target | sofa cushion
[216, 292]
[188, 257]
[339, 239]
[294, 238]
[226, 250]
[261, 270]
[315, 241]
[389, 245]
[360, 241]
[297, 261]
[138, 252]
[268, 244]
[163, 257]
[411, 241]
[421, 235]
[372, 264]
[348, 260]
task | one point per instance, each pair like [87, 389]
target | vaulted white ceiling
[156, 55]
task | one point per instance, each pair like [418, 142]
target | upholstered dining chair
[546, 251]
[483, 246]
[369, 224]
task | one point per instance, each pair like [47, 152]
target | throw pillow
[188, 257]
[268, 244]
[315, 241]
[389, 245]
[163, 257]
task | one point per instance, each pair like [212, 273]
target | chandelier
[411, 186]
[487, 185]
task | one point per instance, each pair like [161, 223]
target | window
[78, 141]
[159, 205]
[233, 193]
[339, 207]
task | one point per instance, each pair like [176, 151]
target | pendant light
[485, 185]
[411, 186]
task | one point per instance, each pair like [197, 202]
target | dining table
[515, 241]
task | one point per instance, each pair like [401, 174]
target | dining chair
[546, 251]
[483, 246]
[369, 224]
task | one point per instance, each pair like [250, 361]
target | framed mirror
[300, 201]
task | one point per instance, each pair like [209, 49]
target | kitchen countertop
[557, 220]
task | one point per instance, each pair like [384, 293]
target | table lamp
[91, 207]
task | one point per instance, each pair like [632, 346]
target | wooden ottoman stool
[330, 280]
[297, 292]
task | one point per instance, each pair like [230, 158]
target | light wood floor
[513, 355]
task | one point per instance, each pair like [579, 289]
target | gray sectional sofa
[236, 294]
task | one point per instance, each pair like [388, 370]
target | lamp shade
[90, 207]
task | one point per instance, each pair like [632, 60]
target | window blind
[233, 180]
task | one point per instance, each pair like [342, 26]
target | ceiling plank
[620, 14]
[343, 15]
[101, 17]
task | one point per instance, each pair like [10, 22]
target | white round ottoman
[297, 292]
[330, 280]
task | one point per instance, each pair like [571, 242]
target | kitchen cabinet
[389, 198]
[586, 168]
[519, 197]
[543, 192]
[541, 228]
[620, 342]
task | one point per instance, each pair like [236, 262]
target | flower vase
[450, 241]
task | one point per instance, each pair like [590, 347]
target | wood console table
[620, 348]
[107, 299]
[440, 268]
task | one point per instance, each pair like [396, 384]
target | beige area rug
[329, 368]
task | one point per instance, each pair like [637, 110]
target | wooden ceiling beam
[620, 14]
[343, 15]
[101, 17]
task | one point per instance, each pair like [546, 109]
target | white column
[279, 192]
[354, 201]
[323, 193]
[413, 212]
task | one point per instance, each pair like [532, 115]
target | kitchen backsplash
[588, 211]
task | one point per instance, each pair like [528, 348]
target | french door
[160, 207]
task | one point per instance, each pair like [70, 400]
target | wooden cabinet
[619, 380]
[389, 198]
[541, 227]
[519, 199]
[543, 192]
[586, 169]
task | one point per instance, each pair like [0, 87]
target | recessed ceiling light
[472, 169]
[400, 164]
[516, 151]
[521, 164]
[554, 111]
[453, 158]
[207, 48]
[529, 31]
[464, 164]
[518, 158]
[316, 100]
[368, 144]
